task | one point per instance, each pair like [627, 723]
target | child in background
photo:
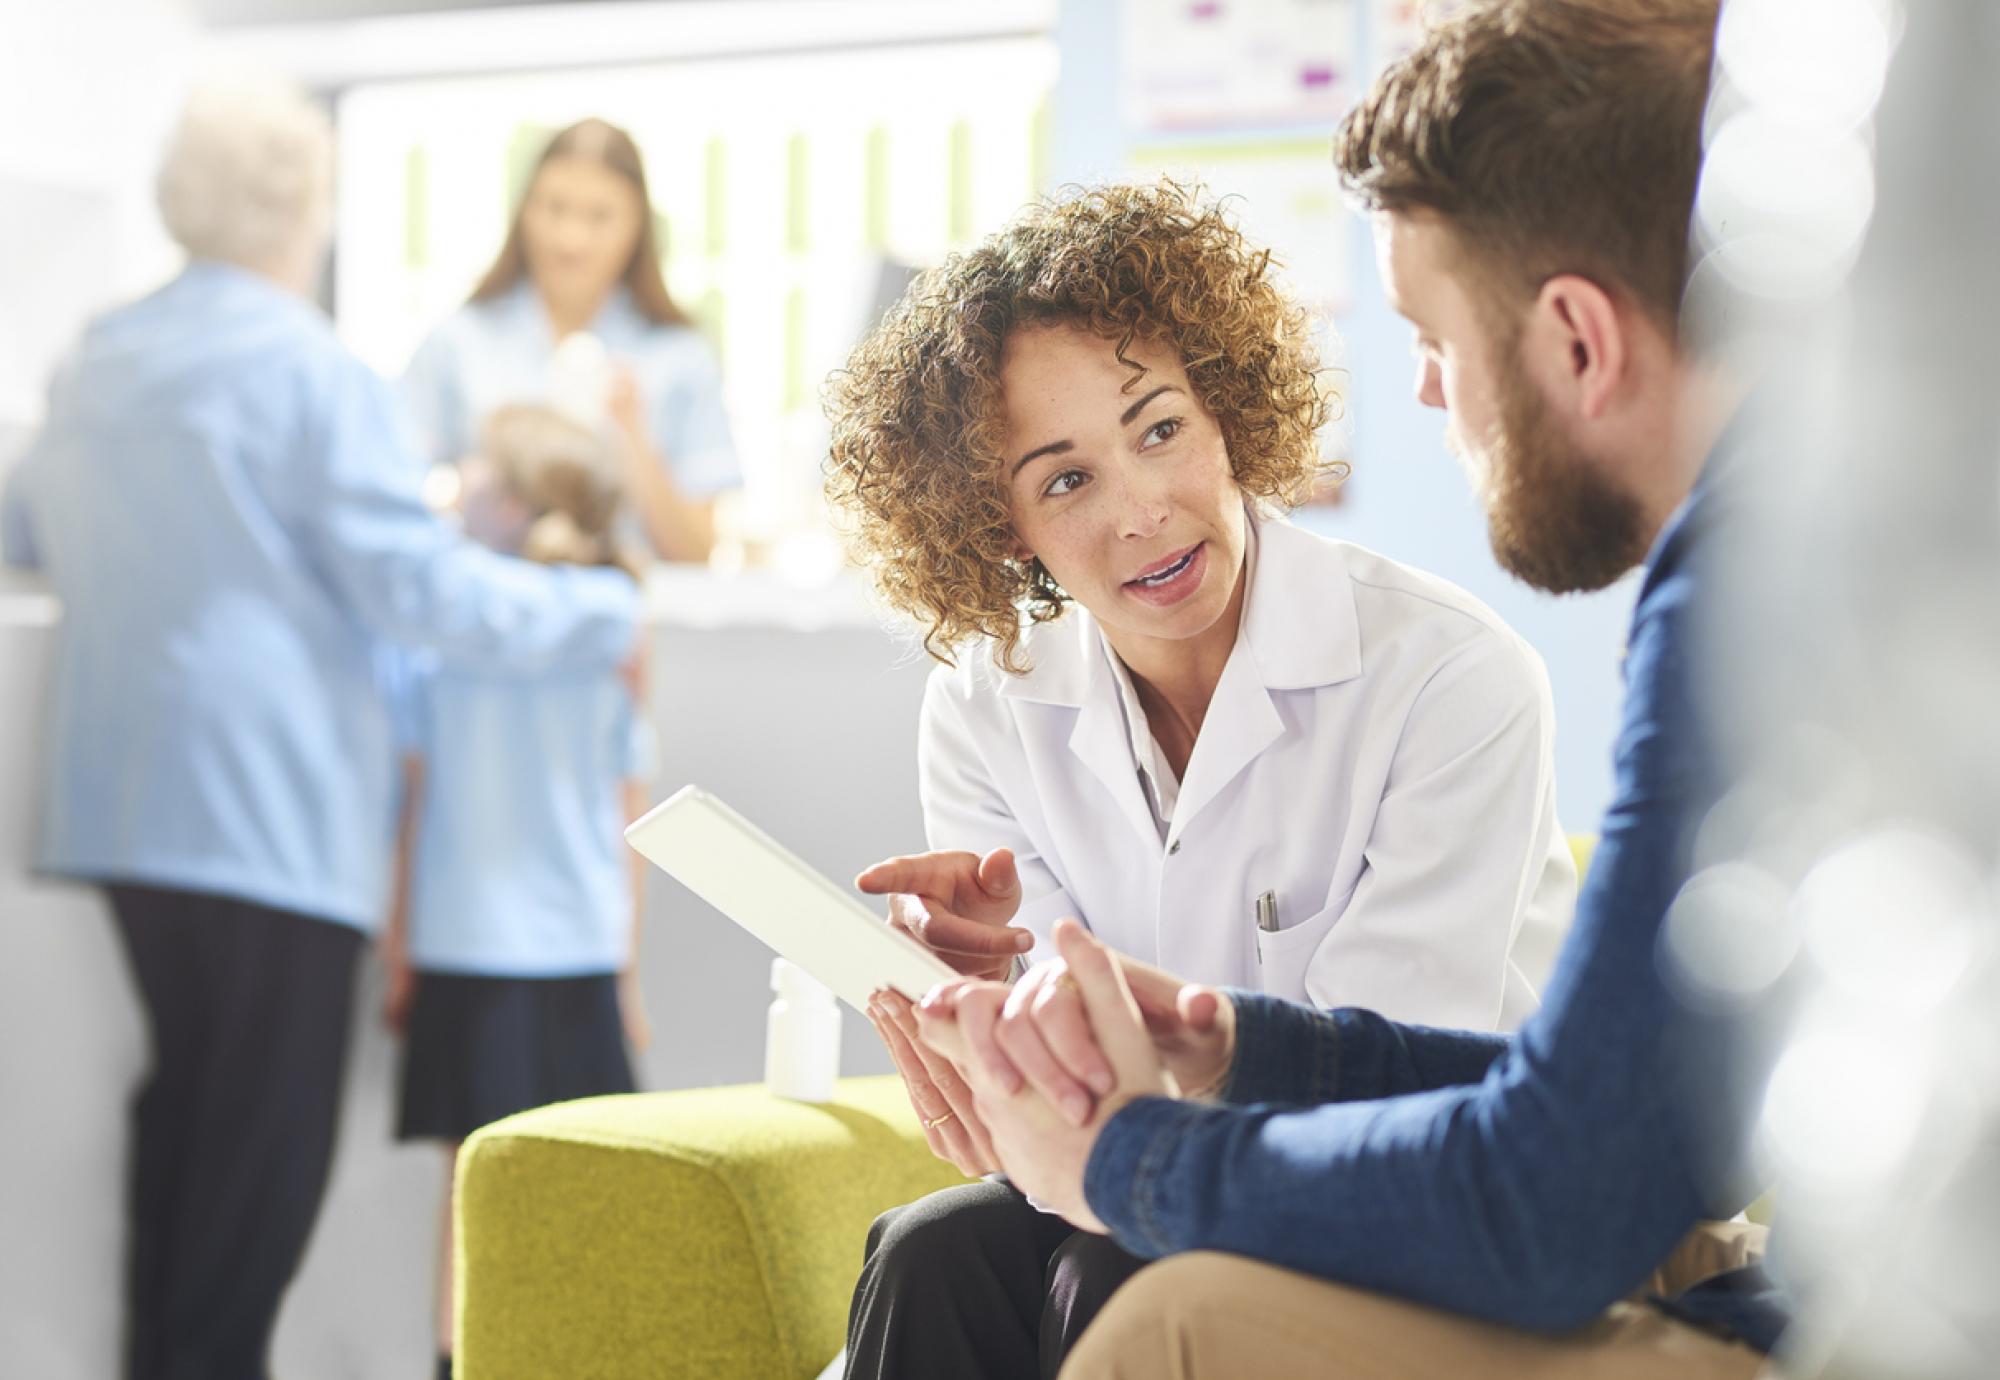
[512, 942]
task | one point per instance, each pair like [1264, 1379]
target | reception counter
[795, 703]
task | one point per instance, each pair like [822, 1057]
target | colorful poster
[1194, 65]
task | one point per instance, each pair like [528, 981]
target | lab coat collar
[1101, 740]
[1299, 626]
[1299, 631]
[1061, 658]
[1299, 620]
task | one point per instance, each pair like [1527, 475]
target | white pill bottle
[801, 1036]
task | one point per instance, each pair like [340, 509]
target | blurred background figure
[220, 499]
[513, 934]
[575, 313]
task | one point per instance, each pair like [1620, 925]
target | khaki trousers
[1206, 1316]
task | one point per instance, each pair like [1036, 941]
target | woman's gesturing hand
[957, 905]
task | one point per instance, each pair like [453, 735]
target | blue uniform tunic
[224, 501]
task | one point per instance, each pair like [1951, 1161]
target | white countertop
[25, 602]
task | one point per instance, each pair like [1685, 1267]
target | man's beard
[1554, 519]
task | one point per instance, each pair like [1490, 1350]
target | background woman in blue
[223, 500]
[581, 258]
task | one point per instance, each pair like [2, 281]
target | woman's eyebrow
[1064, 447]
[1053, 448]
[1136, 408]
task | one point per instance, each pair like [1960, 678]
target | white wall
[87, 90]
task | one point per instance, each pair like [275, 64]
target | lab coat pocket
[1283, 955]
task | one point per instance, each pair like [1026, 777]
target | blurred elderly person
[222, 501]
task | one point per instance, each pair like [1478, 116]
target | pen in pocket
[1267, 918]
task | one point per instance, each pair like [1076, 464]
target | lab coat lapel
[1300, 631]
[1300, 623]
[1068, 667]
[1101, 743]
[1241, 722]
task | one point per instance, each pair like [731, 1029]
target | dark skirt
[480, 1048]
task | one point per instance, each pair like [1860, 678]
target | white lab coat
[1379, 754]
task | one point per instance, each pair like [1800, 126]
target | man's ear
[1583, 321]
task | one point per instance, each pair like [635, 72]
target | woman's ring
[937, 1121]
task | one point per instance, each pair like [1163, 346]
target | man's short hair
[1552, 136]
[248, 172]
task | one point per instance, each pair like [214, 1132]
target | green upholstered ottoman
[713, 1233]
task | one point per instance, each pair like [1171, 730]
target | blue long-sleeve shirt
[223, 499]
[1531, 1181]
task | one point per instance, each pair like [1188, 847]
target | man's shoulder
[1685, 552]
[1665, 745]
[1676, 582]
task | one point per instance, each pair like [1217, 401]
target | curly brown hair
[915, 468]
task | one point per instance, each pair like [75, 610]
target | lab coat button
[1173, 847]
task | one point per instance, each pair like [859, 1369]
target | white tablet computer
[764, 887]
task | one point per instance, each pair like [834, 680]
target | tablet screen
[763, 886]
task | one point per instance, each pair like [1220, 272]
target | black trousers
[248, 1012]
[972, 1283]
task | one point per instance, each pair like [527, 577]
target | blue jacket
[224, 502]
[1532, 1181]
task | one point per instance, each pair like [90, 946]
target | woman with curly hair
[1230, 747]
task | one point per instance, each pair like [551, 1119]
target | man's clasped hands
[1021, 1076]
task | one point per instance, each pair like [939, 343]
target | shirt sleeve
[433, 401]
[965, 808]
[1291, 1053]
[1464, 839]
[412, 579]
[692, 425]
[1535, 1197]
